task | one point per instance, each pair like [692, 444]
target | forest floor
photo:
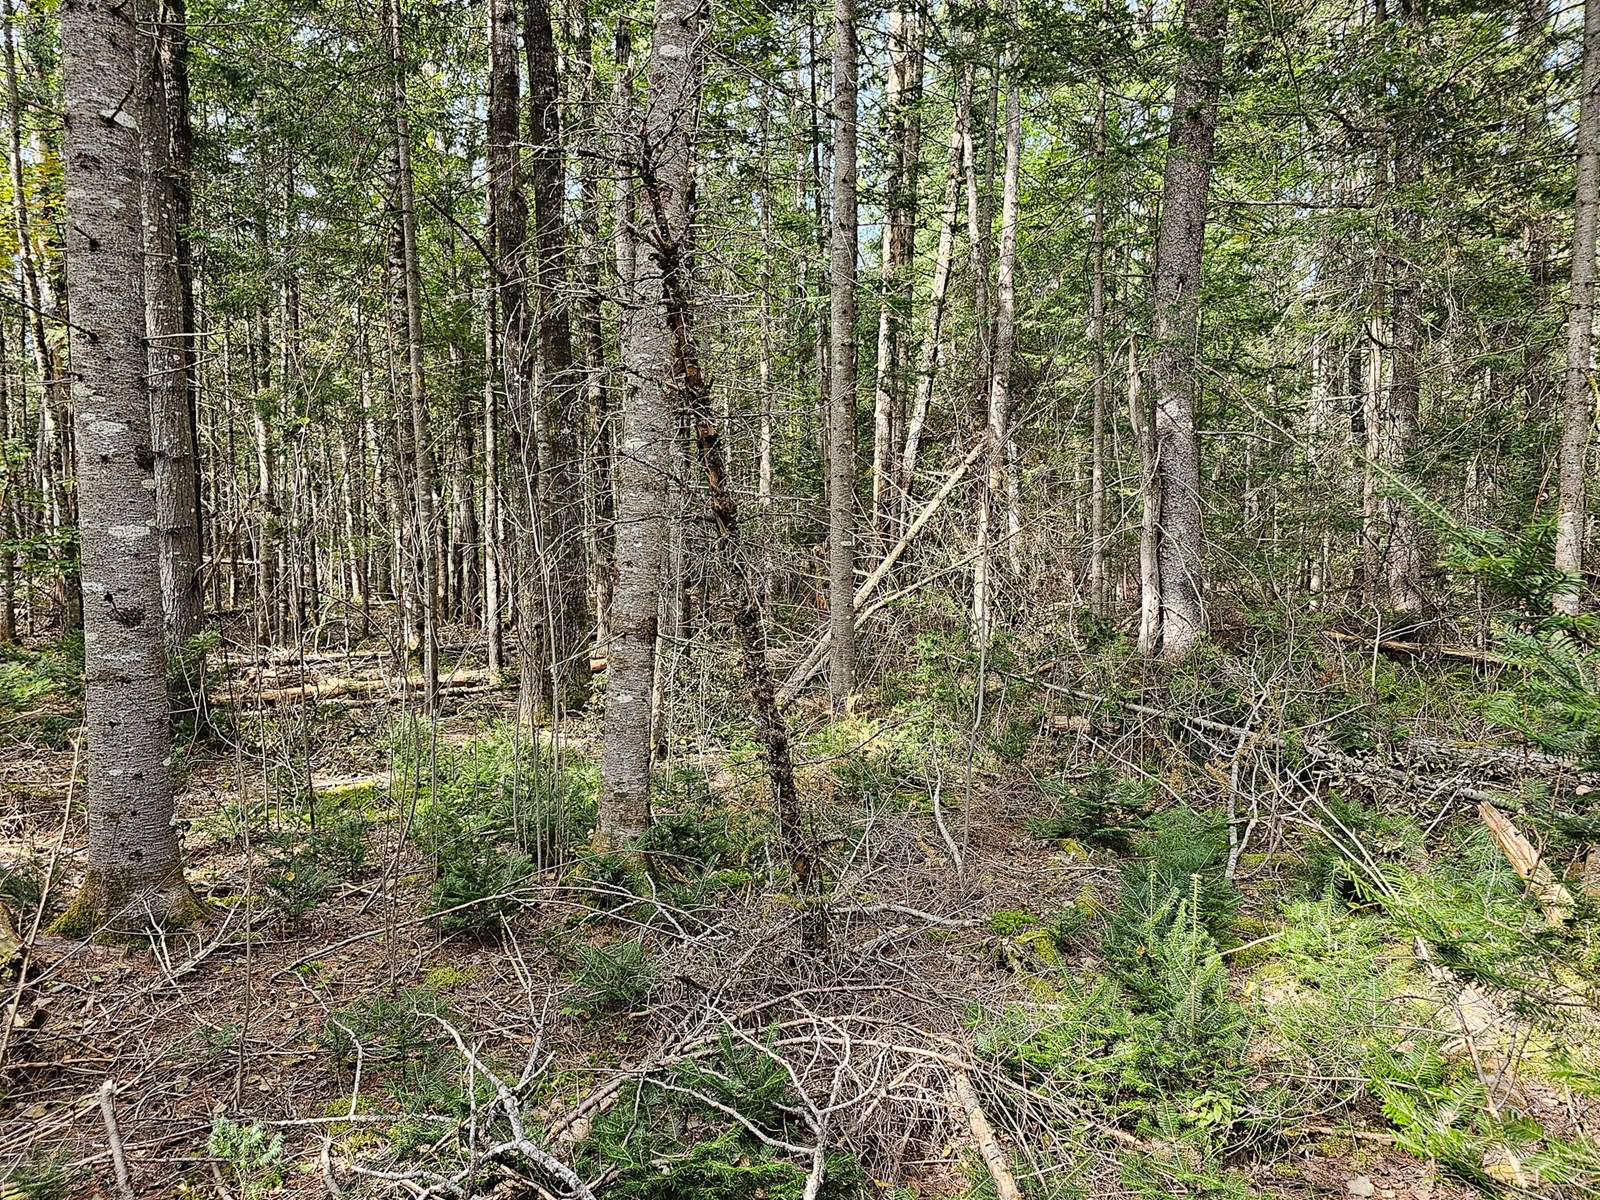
[1084, 954]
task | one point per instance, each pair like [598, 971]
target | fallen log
[1464, 654]
[332, 689]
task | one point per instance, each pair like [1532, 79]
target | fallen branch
[1552, 895]
[1465, 654]
[1005, 1184]
[812, 662]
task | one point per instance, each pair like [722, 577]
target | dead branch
[1005, 1184]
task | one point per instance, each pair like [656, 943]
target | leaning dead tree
[666, 180]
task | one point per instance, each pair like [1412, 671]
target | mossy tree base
[129, 914]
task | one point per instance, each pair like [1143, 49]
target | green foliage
[1185, 853]
[213, 1041]
[612, 977]
[662, 1143]
[491, 813]
[22, 886]
[251, 1155]
[41, 692]
[1101, 809]
[302, 866]
[42, 1176]
[402, 1038]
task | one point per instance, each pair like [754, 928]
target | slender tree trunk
[172, 433]
[928, 355]
[1174, 368]
[1578, 408]
[999, 416]
[1405, 391]
[903, 135]
[1099, 585]
[422, 467]
[135, 878]
[562, 677]
[508, 232]
[660, 187]
[647, 419]
[842, 356]
[1143, 422]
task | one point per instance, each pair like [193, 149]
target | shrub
[250, 1153]
[613, 976]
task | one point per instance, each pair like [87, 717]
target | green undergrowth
[41, 692]
[670, 1139]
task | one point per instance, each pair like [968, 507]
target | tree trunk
[898, 250]
[422, 469]
[842, 357]
[928, 355]
[1577, 413]
[508, 233]
[683, 19]
[135, 878]
[647, 418]
[560, 674]
[1405, 390]
[1099, 589]
[172, 431]
[999, 416]
[1174, 368]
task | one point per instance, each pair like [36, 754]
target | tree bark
[1578, 407]
[1174, 368]
[646, 417]
[1099, 584]
[842, 357]
[422, 466]
[172, 430]
[898, 250]
[558, 673]
[999, 414]
[134, 881]
[508, 235]
[928, 355]
[1405, 390]
[773, 731]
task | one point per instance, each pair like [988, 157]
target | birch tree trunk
[1577, 412]
[134, 880]
[1174, 367]
[842, 357]
[646, 417]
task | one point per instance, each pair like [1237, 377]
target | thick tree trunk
[559, 674]
[135, 878]
[647, 419]
[1577, 412]
[426, 536]
[1174, 368]
[842, 357]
